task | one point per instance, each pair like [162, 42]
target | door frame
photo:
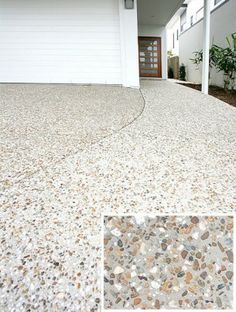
[159, 74]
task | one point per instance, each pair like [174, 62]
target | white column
[129, 45]
[164, 55]
[206, 46]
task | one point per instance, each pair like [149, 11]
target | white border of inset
[152, 215]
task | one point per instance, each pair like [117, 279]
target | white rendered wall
[170, 31]
[223, 23]
[195, 9]
[157, 31]
[129, 46]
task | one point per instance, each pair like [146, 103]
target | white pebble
[153, 270]
[118, 270]
[155, 285]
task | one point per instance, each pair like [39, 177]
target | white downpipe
[206, 46]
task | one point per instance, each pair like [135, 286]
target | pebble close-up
[169, 262]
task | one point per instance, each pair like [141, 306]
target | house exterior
[189, 24]
[84, 41]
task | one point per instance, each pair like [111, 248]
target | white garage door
[61, 41]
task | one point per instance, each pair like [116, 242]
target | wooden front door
[150, 57]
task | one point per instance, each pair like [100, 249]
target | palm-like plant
[223, 59]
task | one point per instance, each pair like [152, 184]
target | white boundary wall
[223, 23]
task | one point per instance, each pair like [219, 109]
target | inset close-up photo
[168, 262]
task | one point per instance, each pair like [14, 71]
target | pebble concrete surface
[175, 155]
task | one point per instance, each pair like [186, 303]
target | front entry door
[150, 57]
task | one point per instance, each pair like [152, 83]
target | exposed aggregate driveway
[71, 153]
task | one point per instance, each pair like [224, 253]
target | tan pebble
[193, 289]
[229, 275]
[78, 285]
[134, 292]
[7, 183]
[229, 226]
[128, 275]
[205, 235]
[137, 301]
[198, 255]
[221, 247]
[117, 252]
[157, 304]
[163, 246]
[195, 220]
[106, 241]
[219, 302]
[184, 254]
[136, 250]
[223, 268]
[188, 277]
[211, 219]
[178, 269]
[149, 261]
[186, 230]
[230, 256]
[118, 300]
[210, 267]
[224, 279]
[196, 265]
[203, 275]
[166, 286]
[203, 266]
[125, 278]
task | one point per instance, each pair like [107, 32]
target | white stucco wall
[157, 31]
[170, 31]
[223, 23]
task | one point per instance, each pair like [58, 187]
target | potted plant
[182, 72]
[170, 73]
